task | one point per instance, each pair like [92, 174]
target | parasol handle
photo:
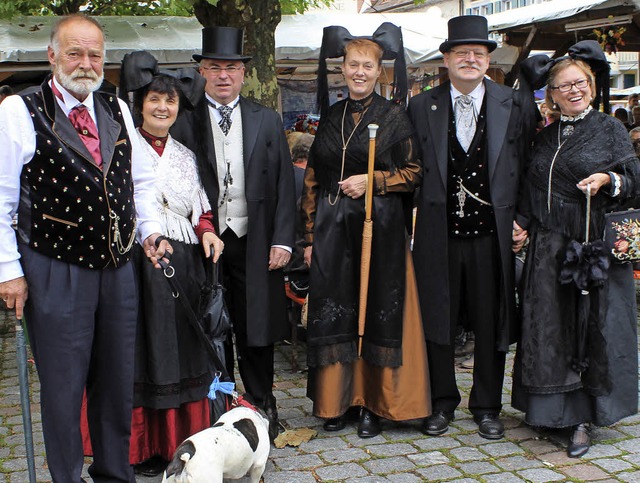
[588, 217]
[368, 202]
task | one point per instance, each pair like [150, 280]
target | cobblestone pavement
[401, 454]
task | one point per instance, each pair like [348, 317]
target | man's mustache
[85, 75]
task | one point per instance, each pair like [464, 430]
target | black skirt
[544, 353]
[171, 363]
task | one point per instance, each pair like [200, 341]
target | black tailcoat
[429, 113]
[270, 194]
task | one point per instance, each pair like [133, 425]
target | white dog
[237, 445]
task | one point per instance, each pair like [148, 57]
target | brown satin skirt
[397, 394]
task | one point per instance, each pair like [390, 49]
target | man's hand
[14, 293]
[154, 254]
[210, 239]
[354, 186]
[518, 236]
[278, 258]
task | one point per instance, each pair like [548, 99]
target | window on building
[628, 80]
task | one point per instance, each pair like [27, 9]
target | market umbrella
[23, 379]
[585, 265]
[367, 235]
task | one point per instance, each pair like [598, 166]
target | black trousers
[474, 283]
[82, 328]
[255, 364]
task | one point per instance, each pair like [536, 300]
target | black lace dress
[547, 385]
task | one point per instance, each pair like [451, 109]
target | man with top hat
[246, 170]
[71, 169]
[472, 146]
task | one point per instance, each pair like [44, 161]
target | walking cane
[23, 379]
[367, 234]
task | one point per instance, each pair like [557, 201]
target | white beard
[90, 82]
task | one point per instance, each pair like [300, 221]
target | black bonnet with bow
[388, 36]
[139, 68]
[535, 70]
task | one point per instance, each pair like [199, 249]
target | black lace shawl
[599, 144]
[394, 127]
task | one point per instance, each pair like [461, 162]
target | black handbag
[622, 235]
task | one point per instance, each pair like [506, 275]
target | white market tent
[541, 12]
[173, 40]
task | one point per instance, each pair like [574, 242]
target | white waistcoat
[232, 206]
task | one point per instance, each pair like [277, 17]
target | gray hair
[53, 39]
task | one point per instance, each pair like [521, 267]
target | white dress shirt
[18, 141]
[477, 95]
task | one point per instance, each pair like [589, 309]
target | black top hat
[224, 43]
[468, 29]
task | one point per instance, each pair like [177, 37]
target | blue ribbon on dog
[224, 387]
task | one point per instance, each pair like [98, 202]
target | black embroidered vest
[473, 218]
[69, 208]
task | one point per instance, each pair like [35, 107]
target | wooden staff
[367, 235]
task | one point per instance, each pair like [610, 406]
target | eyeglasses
[580, 84]
[217, 70]
[464, 53]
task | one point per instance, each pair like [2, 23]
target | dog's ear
[249, 431]
[176, 466]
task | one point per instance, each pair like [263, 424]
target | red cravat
[82, 121]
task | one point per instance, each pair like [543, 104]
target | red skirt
[157, 431]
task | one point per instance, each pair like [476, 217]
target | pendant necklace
[344, 148]
[566, 132]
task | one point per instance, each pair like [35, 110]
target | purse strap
[176, 289]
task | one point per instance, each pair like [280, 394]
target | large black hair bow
[388, 36]
[140, 67]
[535, 70]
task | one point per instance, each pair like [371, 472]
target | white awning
[170, 39]
[542, 12]
[298, 37]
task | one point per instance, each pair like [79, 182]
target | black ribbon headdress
[388, 36]
[139, 68]
[534, 71]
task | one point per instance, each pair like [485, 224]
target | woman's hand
[307, 255]
[210, 239]
[354, 186]
[597, 181]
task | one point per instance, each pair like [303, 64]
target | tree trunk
[259, 19]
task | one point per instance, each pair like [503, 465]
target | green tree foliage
[12, 8]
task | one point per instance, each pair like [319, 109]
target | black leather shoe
[489, 426]
[151, 467]
[437, 423]
[369, 424]
[580, 441]
[335, 424]
[271, 411]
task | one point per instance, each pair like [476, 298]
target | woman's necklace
[553, 161]
[344, 147]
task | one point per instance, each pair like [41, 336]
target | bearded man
[70, 169]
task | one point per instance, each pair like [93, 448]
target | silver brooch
[567, 130]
